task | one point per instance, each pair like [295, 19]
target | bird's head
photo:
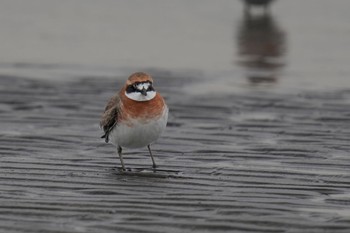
[139, 87]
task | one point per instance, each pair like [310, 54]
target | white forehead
[141, 86]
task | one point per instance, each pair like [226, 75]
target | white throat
[137, 96]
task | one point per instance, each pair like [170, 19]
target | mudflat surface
[259, 126]
[253, 161]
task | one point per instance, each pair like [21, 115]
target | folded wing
[110, 116]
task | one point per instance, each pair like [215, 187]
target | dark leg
[121, 157]
[247, 8]
[266, 9]
[150, 152]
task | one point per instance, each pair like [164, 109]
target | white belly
[138, 133]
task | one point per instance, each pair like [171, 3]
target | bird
[135, 117]
[263, 3]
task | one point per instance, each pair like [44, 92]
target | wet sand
[258, 133]
[254, 161]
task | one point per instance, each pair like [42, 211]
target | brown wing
[109, 118]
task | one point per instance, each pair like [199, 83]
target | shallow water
[258, 132]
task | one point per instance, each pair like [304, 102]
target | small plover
[136, 116]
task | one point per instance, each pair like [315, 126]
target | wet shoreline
[258, 132]
[247, 162]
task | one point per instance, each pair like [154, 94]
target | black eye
[130, 88]
[150, 88]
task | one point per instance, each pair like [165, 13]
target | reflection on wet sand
[261, 47]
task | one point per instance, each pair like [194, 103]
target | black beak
[144, 92]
